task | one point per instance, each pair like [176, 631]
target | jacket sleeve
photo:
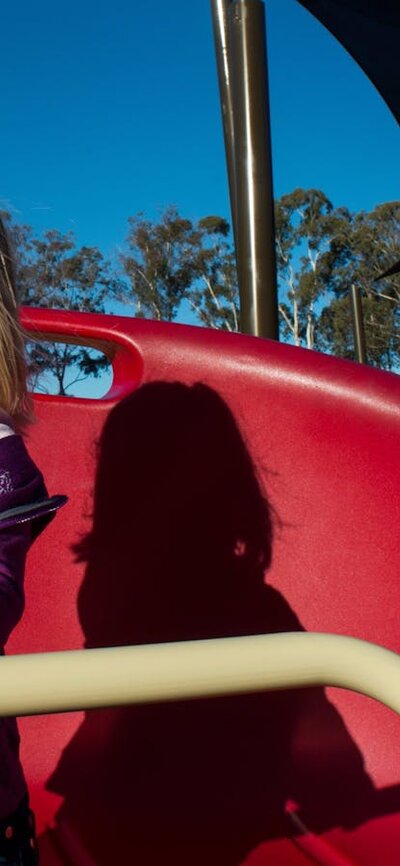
[20, 483]
[14, 545]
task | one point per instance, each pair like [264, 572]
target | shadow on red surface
[177, 551]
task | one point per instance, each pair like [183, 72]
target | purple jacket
[25, 510]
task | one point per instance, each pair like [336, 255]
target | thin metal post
[254, 202]
[219, 9]
[360, 350]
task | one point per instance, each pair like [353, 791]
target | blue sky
[108, 109]
[112, 108]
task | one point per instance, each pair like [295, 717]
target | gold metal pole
[254, 201]
[219, 11]
[240, 44]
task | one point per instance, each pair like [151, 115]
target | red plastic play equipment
[327, 432]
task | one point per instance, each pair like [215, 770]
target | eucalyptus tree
[157, 265]
[370, 249]
[174, 261]
[307, 232]
[52, 272]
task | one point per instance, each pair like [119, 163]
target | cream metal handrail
[82, 679]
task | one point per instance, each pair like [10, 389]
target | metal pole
[219, 9]
[360, 350]
[84, 679]
[254, 203]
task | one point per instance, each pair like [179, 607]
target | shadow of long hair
[180, 542]
[180, 520]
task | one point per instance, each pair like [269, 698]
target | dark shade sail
[370, 31]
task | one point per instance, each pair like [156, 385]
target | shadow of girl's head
[179, 515]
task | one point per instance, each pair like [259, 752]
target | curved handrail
[82, 679]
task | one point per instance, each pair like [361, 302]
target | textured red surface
[328, 433]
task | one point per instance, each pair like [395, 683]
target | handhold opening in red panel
[68, 369]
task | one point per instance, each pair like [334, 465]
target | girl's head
[14, 399]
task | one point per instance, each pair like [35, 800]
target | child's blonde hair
[14, 398]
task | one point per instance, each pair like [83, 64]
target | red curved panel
[327, 433]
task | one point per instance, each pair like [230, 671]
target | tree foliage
[52, 272]
[173, 267]
[158, 265]
[370, 247]
[321, 252]
[307, 227]
[213, 295]
[175, 261]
